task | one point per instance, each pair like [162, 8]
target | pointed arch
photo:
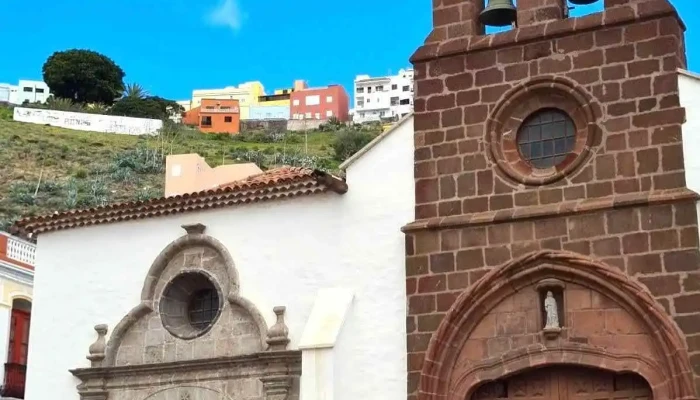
[146, 306]
[669, 376]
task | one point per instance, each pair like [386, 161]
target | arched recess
[148, 293]
[669, 376]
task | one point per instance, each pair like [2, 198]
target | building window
[380, 88]
[360, 101]
[312, 100]
[295, 102]
[228, 119]
[546, 138]
[28, 89]
[369, 90]
[203, 308]
[394, 87]
[39, 90]
[225, 108]
[318, 115]
[329, 99]
[394, 101]
[405, 88]
[209, 107]
[190, 305]
[368, 100]
[307, 115]
[285, 91]
[404, 102]
[329, 113]
[206, 121]
[360, 90]
[382, 113]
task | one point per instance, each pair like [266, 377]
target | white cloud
[227, 14]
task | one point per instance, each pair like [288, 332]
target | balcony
[16, 251]
[230, 110]
[15, 376]
[20, 250]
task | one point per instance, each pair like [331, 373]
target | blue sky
[173, 46]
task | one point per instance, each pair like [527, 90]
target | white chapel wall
[284, 251]
[88, 122]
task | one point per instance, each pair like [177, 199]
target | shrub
[349, 142]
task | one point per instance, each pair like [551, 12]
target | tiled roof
[280, 183]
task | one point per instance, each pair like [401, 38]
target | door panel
[566, 383]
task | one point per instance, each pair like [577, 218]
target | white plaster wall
[88, 122]
[689, 88]
[284, 252]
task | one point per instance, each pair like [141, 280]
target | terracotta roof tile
[275, 184]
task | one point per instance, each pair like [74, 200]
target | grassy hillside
[44, 169]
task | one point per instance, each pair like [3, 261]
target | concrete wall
[88, 122]
[303, 124]
[284, 251]
[269, 124]
[269, 112]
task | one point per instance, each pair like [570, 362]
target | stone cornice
[557, 209]
[17, 274]
[220, 363]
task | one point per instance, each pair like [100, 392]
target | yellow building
[247, 95]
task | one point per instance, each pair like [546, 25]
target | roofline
[374, 142]
[120, 212]
[689, 74]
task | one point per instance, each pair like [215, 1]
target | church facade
[287, 284]
[554, 252]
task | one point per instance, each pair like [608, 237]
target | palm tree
[134, 90]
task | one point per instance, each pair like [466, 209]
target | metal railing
[15, 377]
[20, 250]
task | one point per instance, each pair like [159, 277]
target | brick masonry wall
[629, 69]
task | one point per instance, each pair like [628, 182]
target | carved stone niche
[552, 308]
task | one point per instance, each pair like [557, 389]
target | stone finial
[97, 349]
[192, 229]
[277, 335]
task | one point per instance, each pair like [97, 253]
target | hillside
[45, 169]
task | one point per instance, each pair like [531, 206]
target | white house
[25, 90]
[383, 97]
[16, 280]
[287, 282]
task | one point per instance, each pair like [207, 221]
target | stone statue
[550, 308]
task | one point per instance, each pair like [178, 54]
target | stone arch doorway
[560, 382]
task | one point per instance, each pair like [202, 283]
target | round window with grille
[546, 138]
[190, 305]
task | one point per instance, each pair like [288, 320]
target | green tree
[349, 142]
[84, 76]
[148, 107]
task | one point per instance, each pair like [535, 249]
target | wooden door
[566, 383]
[19, 337]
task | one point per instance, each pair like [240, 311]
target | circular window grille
[546, 137]
[190, 305]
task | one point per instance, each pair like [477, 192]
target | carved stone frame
[518, 104]
[277, 368]
[442, 379]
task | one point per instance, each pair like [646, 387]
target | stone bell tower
[554, 252]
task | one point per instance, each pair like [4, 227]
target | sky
[171, 47]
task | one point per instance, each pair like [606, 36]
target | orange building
[215, 116]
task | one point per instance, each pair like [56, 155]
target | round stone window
[190, 305]
[543, 130]
[546, 137]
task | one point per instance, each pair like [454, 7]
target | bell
[499, 13]
[582, 2]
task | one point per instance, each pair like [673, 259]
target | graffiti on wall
[88, 122]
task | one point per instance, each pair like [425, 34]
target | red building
[320, 103]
